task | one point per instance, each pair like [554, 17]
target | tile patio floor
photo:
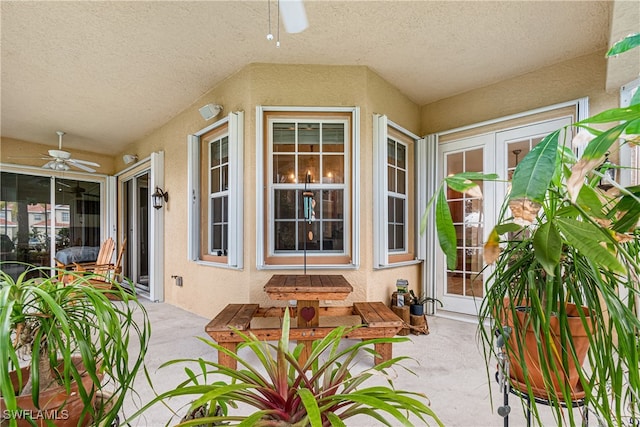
[448, 365]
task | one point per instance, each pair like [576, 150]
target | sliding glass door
[43, 218]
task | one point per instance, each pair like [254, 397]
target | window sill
[299, 267]
[398, 264]
[216, 264]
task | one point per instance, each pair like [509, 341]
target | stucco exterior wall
[566, 81]
[206, 289]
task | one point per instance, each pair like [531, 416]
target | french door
[461, 289]
[135, 226]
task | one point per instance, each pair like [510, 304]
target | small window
[394, 199]
[216, 211]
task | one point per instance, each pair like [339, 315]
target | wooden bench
[377, 320]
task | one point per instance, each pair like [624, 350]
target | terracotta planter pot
[570, 371]
[63, 408]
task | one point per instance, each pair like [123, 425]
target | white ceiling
[110, 72]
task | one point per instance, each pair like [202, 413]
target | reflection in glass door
[462, 286]
[136, 228]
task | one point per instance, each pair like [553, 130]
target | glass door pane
[136, 203]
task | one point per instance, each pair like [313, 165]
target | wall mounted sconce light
[609, 174]
[129, 158]
[158, 196]
[209, 111]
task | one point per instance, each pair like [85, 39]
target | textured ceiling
[110, 72]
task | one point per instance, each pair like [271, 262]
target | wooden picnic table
[307, 291]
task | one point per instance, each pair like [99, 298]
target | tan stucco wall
[207, 289]
[566, 81]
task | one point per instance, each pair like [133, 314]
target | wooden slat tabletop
[308, 287]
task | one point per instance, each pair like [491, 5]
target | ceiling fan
[60, 160]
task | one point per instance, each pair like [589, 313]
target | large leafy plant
[50, 325]
[325, 391]
[561, 237]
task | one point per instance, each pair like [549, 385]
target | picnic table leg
[385, 352]
[225, 359]
[308, 317]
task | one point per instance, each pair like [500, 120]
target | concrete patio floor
[447, 363]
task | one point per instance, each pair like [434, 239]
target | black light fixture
[158, 196]
[609, 174]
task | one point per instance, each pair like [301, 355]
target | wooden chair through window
[103, 274]
[104, 257]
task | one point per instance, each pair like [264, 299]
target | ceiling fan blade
[294, 16]
[85, 162]
[80, 166]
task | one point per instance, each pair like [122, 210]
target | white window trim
[404, 197]
[235, 259]
[381, 251]
[352, 187]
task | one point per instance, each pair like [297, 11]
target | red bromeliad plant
[324, 391]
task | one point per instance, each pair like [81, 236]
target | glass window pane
[457, 211]
[285, 204]
[399, 210]
[401, 156]
[332, 204]
[391, 152]
[215, 152]
[285, 235]
[391, 237]
[224, 149]
[474, 160]
[391, 179]
[216, 239]
[224, 172]
[225, 209]
[391, 209]
[333, 137]
[284, 137]
[309, 137]
[308, 164]
[309, 234]
[455, 283]
[332, 236]
[284, 167]
[401, 183]
[454, 163]
[215, 180]
[333, 169]
[399, 232]
[216, 210]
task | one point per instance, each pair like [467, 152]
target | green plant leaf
[446, 230]
[532, 176]
[601, 144]
[586, 238]
[311, 406]
[629, 42]
[547, 245]
[610, 116]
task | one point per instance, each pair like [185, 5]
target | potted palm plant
[324, 391]
[65, 347]
[565, 255]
